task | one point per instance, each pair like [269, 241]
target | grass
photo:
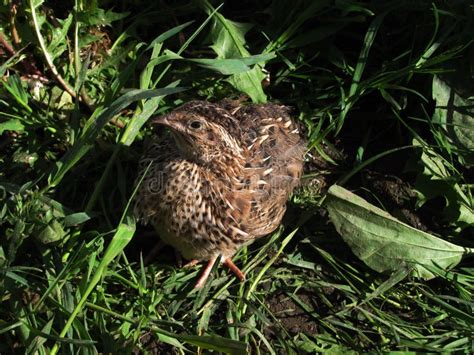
[375, 84]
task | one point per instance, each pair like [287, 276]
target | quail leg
[205, 273]
[232, 267]
[207, 270]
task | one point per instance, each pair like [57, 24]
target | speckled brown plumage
[221, 178]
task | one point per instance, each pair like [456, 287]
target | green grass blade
[121, 238]
[359, 69]
[168, 34]
[85, 142]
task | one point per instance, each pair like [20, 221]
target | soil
[153, 346]
[397, 196]
[291, 316]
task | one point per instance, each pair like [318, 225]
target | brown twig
[29, 67]
[47, 57]
[6, 45]
[13, 12]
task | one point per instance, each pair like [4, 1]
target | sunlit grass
[358, 75]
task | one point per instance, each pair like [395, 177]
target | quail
[219, 177]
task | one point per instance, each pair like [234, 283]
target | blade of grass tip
[429, 49]
[188, 42]
[432, 46]
[127, 138]
[359, 69]
[170, 33]
[86, 140]
[264, 269]
[369, 161]
[393, 280]
[142, 282]
[264, 340]
[138, 120]
[145, 75]
[9, 61]
[36, 347]
[53, 284]
[121, 238]
[156, 45]
[10, 326]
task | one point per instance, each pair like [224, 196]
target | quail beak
[167, 122]
[175, 128]
[161, 120]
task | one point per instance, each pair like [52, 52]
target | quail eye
[195, 125]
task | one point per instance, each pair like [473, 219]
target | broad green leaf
[171, 340]
[383, 242]
[51, 233]
[228, 39]
[433, 165]
[12, 125]
[17, 278]
[224, 66]
[233, 65]
[58, 44]
[250, 83]
[100, 17]
[434, 180]
[456, 114]
[76, 218]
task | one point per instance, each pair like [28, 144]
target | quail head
[220, 178]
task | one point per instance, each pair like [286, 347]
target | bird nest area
[374, 251]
